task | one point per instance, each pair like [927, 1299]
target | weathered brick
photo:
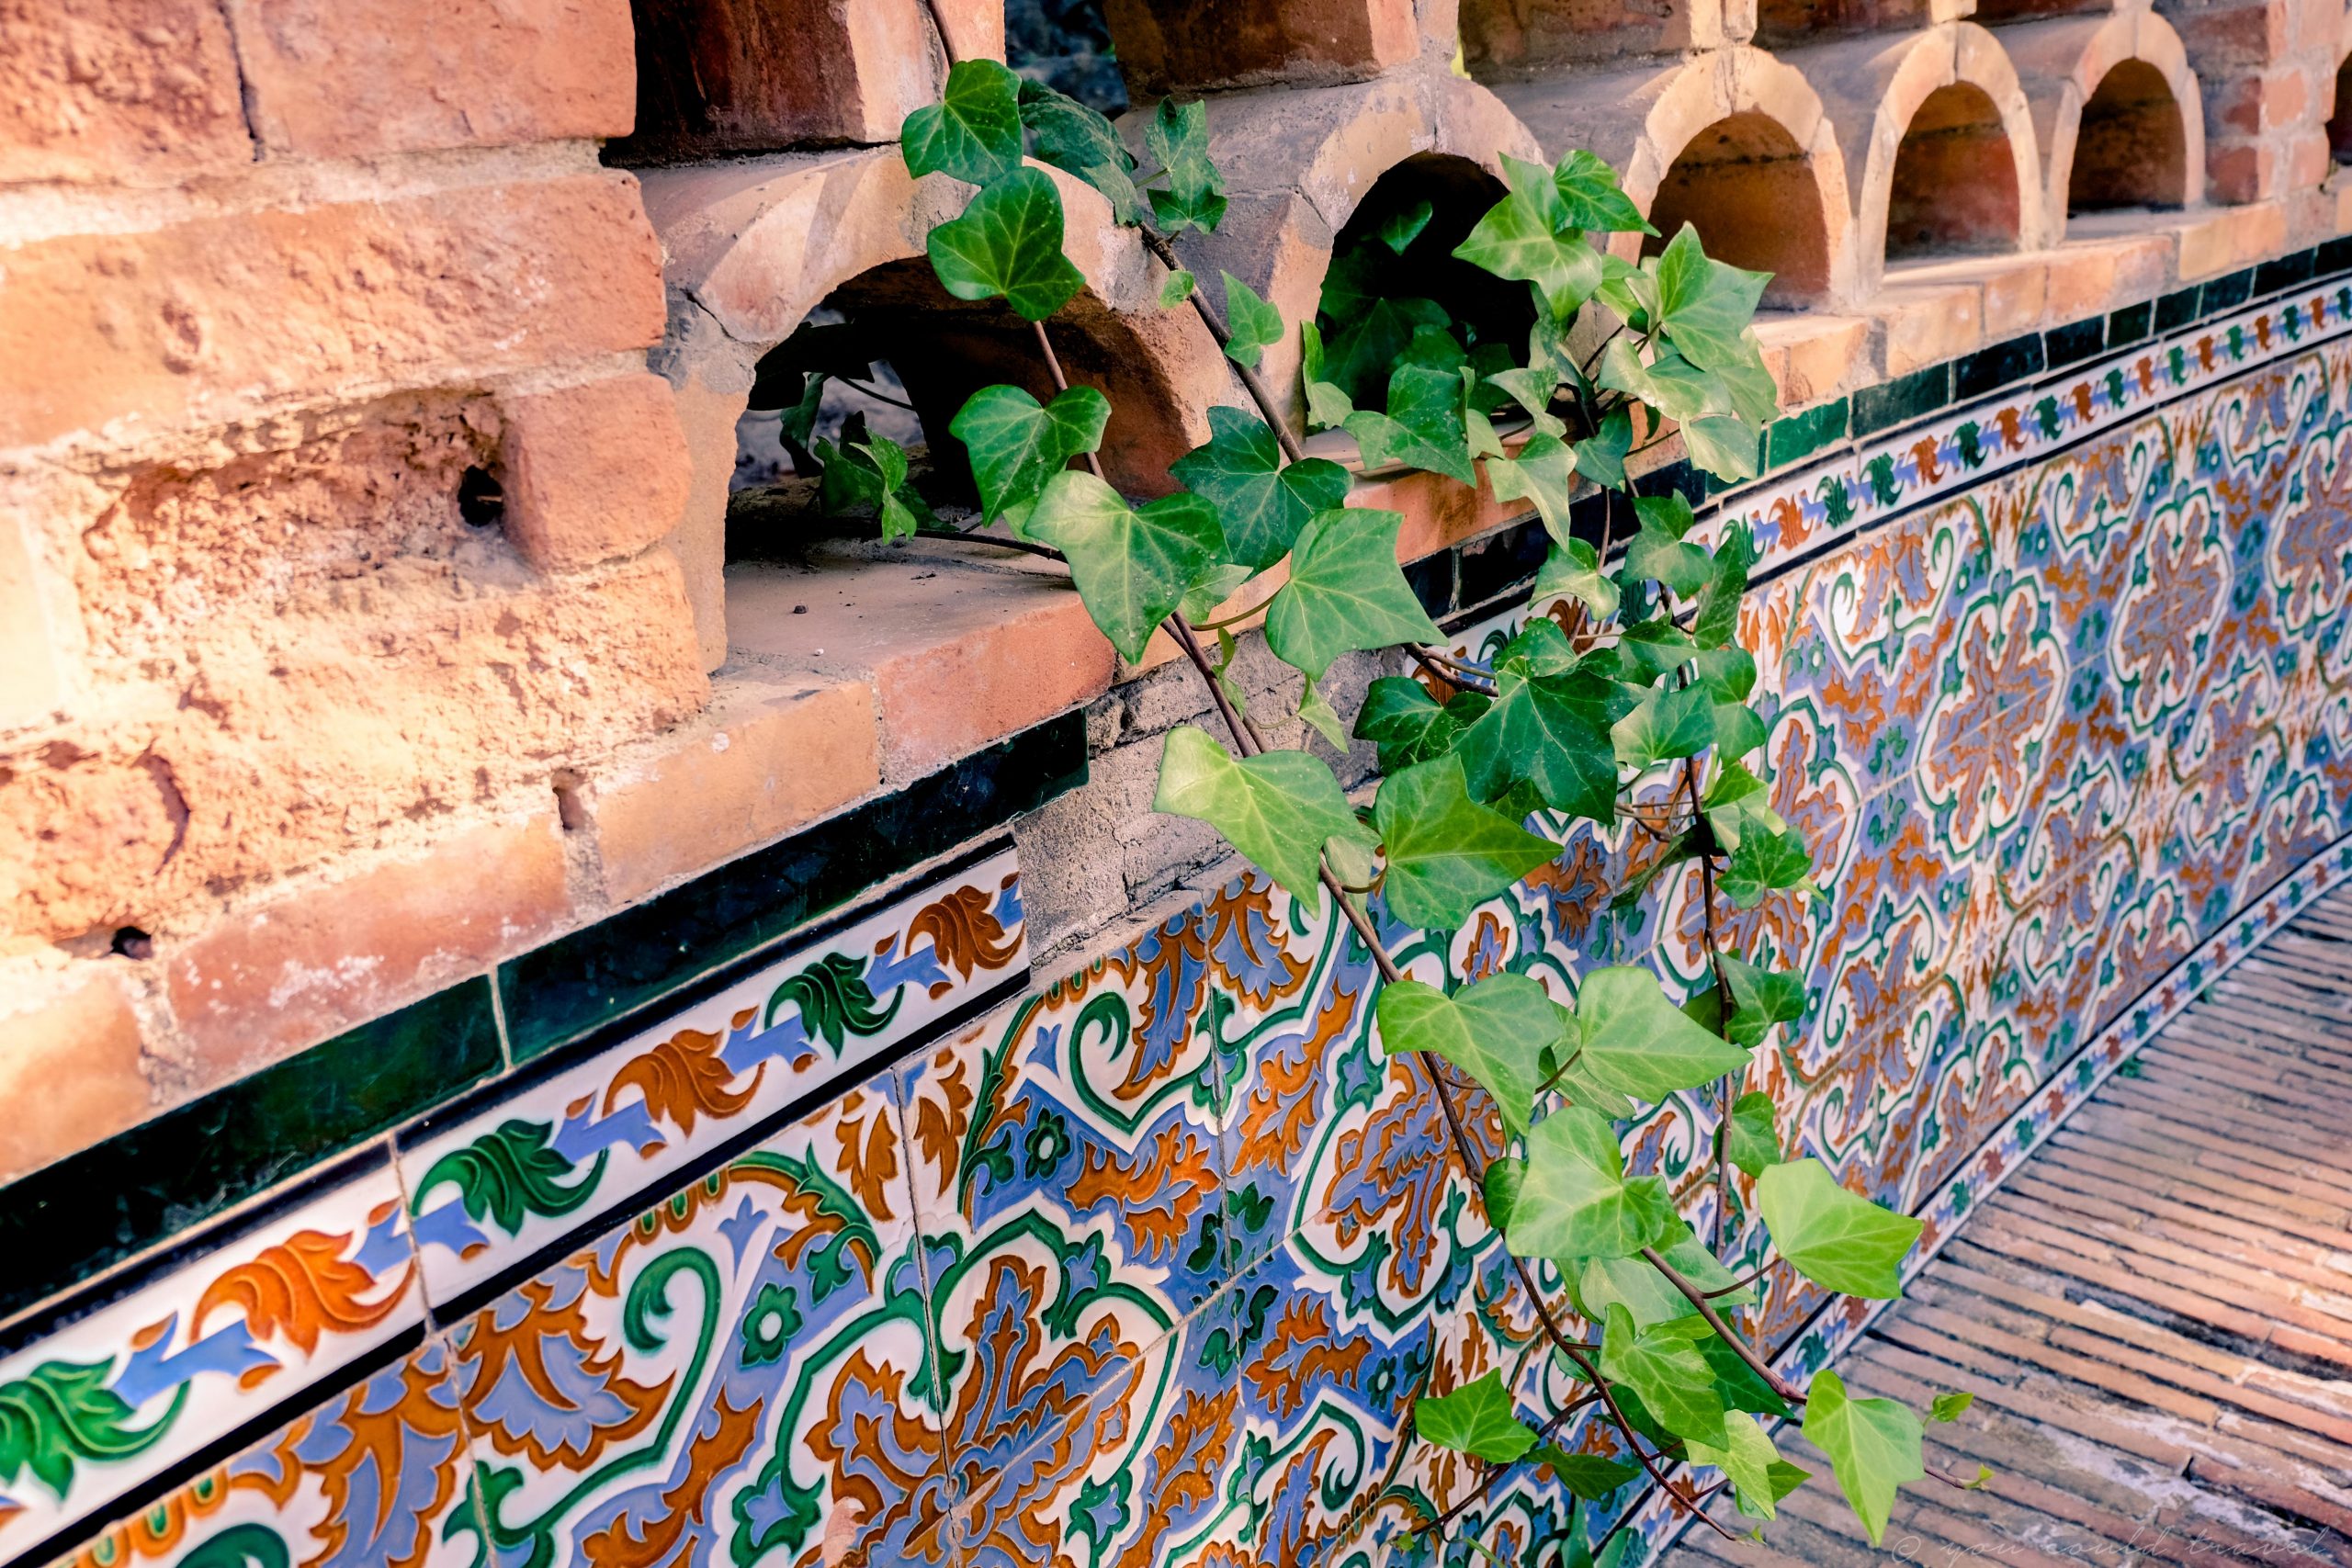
[267, 981]
[595, 471]
[69, 1069]
[1813, 357]
[763, 761]
[136, 91]
[1928, 324]
[28, 686]
[959, 657]
[269, 745]
[1165, 49]
[336, 78]
[214, 318]
[736, 75]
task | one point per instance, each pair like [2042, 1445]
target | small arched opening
[891, 353]
[2132, 148]
[1392, 271]
[1955, 184]
[2339, 120]
[1748, 188]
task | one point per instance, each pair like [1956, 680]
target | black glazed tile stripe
[1989, 369]
[2073, 343]
[2174, 312]
[621, 965]
[1495, 564]
[1904, 398]
[2131, 325]
[91, 1211]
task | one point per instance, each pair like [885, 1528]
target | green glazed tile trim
[91, 1211]
[1801, 435]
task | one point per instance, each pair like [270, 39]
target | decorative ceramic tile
[741, 1370]
[496, 1181]
[373, 1478]
[109, 1402]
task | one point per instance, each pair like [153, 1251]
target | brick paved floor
[2155, 1312]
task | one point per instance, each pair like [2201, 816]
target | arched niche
[1954, 189]
[2131, 144]
[1750, 191]
[2339, 118]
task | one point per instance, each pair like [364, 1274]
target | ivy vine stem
[1255, 384]
[1496, 1472]
[1739, 1345]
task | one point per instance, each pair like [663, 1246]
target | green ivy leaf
[1501, 1188]
[1653, 648]
[1492, 1029]
[1765, 862]
[1322, 718]
[1949, 1406]
[1070, 136]
[1628, 290]
[1278, 807]
[1872, 1446]
[1179, 137]
[1600, 457]
[1552, 732]
[1009, 242]
[1632, 1283]
[1365, 347]
[1175, 288]
[1746, 1458]
[1659, 552]
[1724, 447]
[1590, 197]
[1668, 724]
[1572, 567]
[1704, 305]
[1717, 620]
[1575, 1201]
[1638, 1043]
[889, 460]
[1328, 405]
[1213, 589]
[1409, 726]
[1532, 389]
[1424, 424]
[1535, 186]
[1261, 501]
[1131, 565]
[1662, 1366]
[1399, 230]
[1728, 673]
[1761, 998]
[1016, 445]
[1447, 855]
[1589, 1476]
[1539, 648]
[1752, 1135]
[1543, 473]
[973, 133]
[1738, 729]
[1516, 240]
[1476, 1420]
[1254, 325]
[1345, 593]
[1835, 1238]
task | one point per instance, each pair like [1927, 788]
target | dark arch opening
[1397, 248]
[2339, 120]
[1955, 184]
[2131, 149]
[892, 354]
[1744, 185]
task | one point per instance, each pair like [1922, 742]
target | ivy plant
[1629, 709]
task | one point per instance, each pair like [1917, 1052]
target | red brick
[1168, 47]
[334, 78]
[68, 1070]
[268, 981]
[594, 472]
[211, 318]
[136, 91]
[762, 763]
[736, 76]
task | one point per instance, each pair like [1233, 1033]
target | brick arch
[1943, 104]
[1740, 144]
[2063, 63]
[754, 247]
[2338, 125]
[1298, 164]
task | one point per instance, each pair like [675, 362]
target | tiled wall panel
[867, 1251]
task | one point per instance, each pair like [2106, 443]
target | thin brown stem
[1244, 730]
[1494, 1474]
[939, 25]
[1454, 673]
[1745, 1279]
[1003, 542]
[1253, 383]
[1730, 1336]
[1061, 384]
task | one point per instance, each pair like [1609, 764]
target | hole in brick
[1955, 187]
[1744, 185]
[570, 809]
[2339, 122]
[132, 943]
[1392, 271]
[2131, 150]
[481, 501]
[891, 356]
